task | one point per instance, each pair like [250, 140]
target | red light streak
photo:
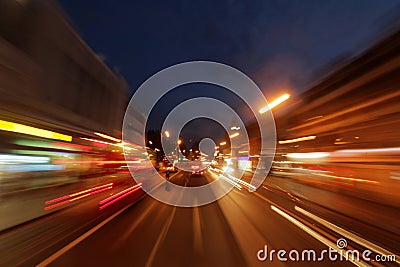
[75, 196]
[95, 161]
[74, 146]
[56, 199]
[100, 145]
[124, 193]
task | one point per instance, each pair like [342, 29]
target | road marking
[60, 252]
[162, 183]
[348, 234]
[172, 176]
[160, 238]
[316, 235]
[283, 191]
[235, 184]
[138, 221]
[197, 240]
[265, 199]
[187, 181]
[175, 175]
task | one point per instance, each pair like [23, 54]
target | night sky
[277, 43]
[281, 45]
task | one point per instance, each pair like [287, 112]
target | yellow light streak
[234, 135]
[300, 139]
[29, 130]
[274, 103]
[108, 137]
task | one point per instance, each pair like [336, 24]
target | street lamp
[300, 139]
[108, 137]
[177, 149]
[274, 103]
[167, 134]
[234, 135]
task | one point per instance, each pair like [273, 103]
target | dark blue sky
[282, 45]
[277, 43]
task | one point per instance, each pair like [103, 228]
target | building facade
[49, 74]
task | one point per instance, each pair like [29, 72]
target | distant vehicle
[169, 168]
[173, 169]
[196, 171]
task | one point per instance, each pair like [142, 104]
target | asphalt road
[228, 232]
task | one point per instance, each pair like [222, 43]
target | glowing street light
[108, 137]
[274, 103]
[167, 134]
[234, 135]
[300, 139]
[150, 142]
[179, 141]
[222, 143]
[24, 129]
[309, 155]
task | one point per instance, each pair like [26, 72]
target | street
[228, 232]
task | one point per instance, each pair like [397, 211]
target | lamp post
[177, 149]
[274, 103]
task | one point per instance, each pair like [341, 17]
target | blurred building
[343, 133]
[356, 106]
[49, 74]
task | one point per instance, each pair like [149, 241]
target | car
[195, 173]
[196, 170]
[173, 169]
[169, 168]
